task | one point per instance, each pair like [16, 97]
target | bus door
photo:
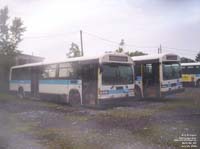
[151, 80]
[89, 83]
[35, 81]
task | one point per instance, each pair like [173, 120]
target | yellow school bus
[191, 74]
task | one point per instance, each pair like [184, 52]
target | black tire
[138, 93]
[20, 93]
[74, 98]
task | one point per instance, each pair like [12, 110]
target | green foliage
[198, 57]
[119, 50]
[74, 51]
[186, 60]
[136, 53]
[121, 44]
[10, 35]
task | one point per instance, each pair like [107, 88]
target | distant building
[25, 58]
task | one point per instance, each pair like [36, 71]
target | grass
[181, 103]
[65, 138]
[6, 98]
[131, 122]
[50, 138]
[127, 113]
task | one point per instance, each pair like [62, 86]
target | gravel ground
[132, 124]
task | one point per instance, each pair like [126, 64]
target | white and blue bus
[157, 75]
[191, 74]
[79, 80]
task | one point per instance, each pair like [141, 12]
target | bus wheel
[198, 84]
[74, 98]
[20, 93]
[138, 93]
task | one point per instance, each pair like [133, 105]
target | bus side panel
[16, 84]
[59, 86]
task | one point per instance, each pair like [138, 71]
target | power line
[101, 38]
[144, 47]
[183, 52]
[189, 50]
[117, 43]
[50, 35]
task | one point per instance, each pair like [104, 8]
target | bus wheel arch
[20, 92]
[74, 97]
[138, 92]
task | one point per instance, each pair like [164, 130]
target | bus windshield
[171, 70]
[117, 74]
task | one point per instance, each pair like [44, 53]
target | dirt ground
[173, 122]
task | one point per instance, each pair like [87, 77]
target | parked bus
[191, 74]
[79, 80]
[157, 75]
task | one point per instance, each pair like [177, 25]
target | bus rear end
[115, 77]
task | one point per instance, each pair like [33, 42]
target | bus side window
[197, 70]
[49, 71]
[183, 68]
[21, 74]
[15, 74]
[69, 71]
[190, 70]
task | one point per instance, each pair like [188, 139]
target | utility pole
[81, 39]
[160, 48]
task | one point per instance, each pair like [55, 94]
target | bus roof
[54, 62]
[158, 57]
[191, 64]
[83, 58]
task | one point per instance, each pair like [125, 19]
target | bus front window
[171, 71]
[117, 74]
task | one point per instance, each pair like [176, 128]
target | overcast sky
[144, 24]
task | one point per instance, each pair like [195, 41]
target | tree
[10, 35]
[74, 51]
[197, 59]
[121, 45]
[186, 60]
[136, 53]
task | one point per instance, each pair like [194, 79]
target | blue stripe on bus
[20, 81]
[118, 91]
[59, 82]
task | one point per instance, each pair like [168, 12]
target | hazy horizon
[53, 25]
